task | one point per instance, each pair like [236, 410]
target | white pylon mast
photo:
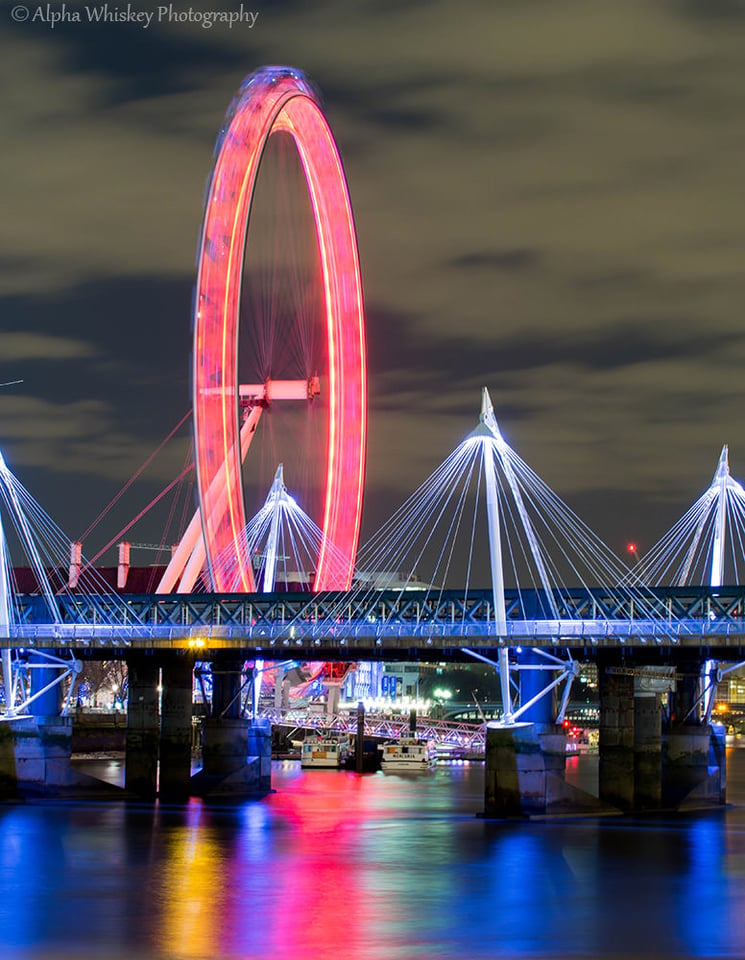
[277, 494]
[501, 452]
[716, 574]
[494, 446]
[717, 552]
[485, 431]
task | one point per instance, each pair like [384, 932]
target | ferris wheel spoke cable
[185, 516]
[141, 514]
[134, 476]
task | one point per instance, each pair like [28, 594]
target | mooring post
[359, 747]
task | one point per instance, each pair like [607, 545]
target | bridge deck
[386, 625]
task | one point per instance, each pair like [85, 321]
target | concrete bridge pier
[647, 749]
[43, 744]
[616, 735]
[646, 764]
[177, 682]
[526, 761]
[36, 749]
[694, 769]
[143, 726]
[630, 741]
[525, 774]
[236, 752]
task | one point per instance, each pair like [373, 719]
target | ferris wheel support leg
[181, 555]
[193, 568]
[189, 557]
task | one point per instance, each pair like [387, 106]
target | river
[371, 867]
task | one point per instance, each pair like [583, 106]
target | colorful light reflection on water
[366, 867]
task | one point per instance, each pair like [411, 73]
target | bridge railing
[336, 621]
[560, 632]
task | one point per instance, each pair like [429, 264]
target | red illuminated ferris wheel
[277, 103]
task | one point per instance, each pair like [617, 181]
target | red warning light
[631, 548]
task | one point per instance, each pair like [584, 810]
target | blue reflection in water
[711, 915]
[334, 864]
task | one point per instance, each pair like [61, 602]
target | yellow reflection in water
[192, 894]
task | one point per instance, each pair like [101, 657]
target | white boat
[328, 750]
[408, 754]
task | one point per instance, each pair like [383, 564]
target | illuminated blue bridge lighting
[381, 622]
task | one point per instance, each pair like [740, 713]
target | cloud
[18, 347]
[498, 260]
[80, 437]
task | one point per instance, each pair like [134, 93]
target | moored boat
[408, 754]
[328, 750]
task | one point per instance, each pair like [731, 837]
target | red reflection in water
[321, 905]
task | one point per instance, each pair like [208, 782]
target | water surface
[334, 864]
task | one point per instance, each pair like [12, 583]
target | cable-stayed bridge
[388, 624]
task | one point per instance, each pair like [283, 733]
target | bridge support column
[48, 704]
[693, 756]
[525, 773]
[177, 679]
[532, 682]
[647, 751]
[227, 679]
[35, 750]
[643, 766]
[143, 726]
[236, 752]
[35, 757]
[43, 745]
[616, 736]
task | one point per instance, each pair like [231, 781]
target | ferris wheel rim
[273, 100]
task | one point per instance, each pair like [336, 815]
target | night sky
[548, 199]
